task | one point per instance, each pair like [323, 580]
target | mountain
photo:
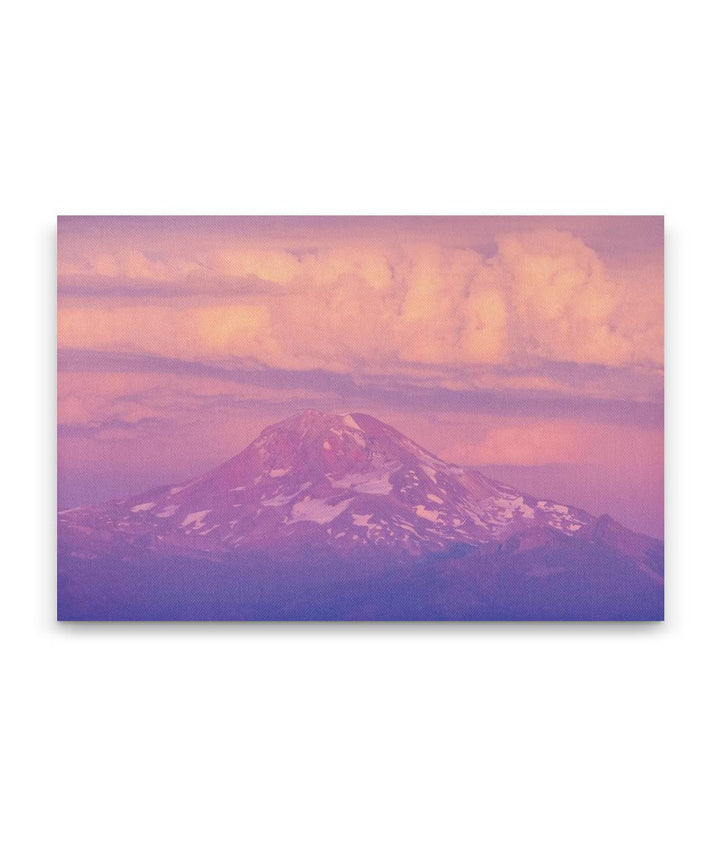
[341, 516]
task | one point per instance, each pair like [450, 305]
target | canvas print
[360, 418]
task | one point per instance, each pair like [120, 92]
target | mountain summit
[343, 481]
[339, 492]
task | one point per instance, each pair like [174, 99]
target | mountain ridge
[323, 490]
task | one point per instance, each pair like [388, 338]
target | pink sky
[533, 346]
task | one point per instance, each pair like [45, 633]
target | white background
[501, 739]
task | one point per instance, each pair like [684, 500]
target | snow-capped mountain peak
[333, 481]
[339, 515]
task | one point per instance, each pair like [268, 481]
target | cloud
[453, 308]
[177, 329]
[96, 385]
[93, 400]
[528, 441]
[568, 307]
[128, 264]
[542, 295]
[542, 442]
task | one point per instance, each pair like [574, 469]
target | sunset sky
[530, 346]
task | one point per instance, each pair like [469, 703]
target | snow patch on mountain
[507, 507]
[350, 422]
[196, 518]
[283, 498]
[168, 511]
[552, 506]
[145, 506]
[430, 472]
[369, 482]
[427, 513]
[316, 510]
[210, 529]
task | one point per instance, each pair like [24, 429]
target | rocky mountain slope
[329, 503]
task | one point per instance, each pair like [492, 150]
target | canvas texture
[360, 418]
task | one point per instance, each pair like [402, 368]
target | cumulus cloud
[536, 442]
[541, 295]
[542, 442]
[174, 329]
[453, 308]
[568, 307]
